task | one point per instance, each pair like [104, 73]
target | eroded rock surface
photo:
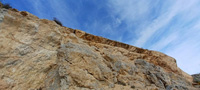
[39, 54]
[196, 80]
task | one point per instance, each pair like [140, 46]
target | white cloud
[58, 8]
[130, 10]
[181, 40]
[188, 56]
[164, 41]
[145, 20]
[187, 51]
[161, 21]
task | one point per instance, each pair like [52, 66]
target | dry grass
[23, 13]
[1, 5]
[6, 6]
[57, 21]
[15, 10]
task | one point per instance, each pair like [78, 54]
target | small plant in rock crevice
[6, 6]
[57, 21]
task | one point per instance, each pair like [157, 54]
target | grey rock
[24, 49]
[3, 11]
[196, 78]
[118, 65]
[13, 62]
[132, 70]
[53, 80]
[111, 85]
[169, 88]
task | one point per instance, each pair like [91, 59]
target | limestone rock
[39, 54]
[196, 80]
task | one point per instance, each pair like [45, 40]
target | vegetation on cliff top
[57, 21]
[7, 6]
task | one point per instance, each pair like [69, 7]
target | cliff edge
[40, 54]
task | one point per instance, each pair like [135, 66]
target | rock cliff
[196, 80]
[42, 55]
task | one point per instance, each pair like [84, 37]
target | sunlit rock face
[40, 54]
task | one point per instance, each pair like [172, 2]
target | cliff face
[196, 80]
[39, 54]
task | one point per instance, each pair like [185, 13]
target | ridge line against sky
[171, 27]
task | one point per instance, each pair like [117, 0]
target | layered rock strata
[39, 54]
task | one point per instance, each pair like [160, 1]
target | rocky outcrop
[39, 54]
[196, 80]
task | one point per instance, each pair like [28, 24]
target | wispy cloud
[174, 29]
[164, 42]
[188, 56]
[55, 8]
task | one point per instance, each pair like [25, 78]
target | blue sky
[168, 26]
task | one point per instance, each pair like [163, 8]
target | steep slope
[39, 54]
